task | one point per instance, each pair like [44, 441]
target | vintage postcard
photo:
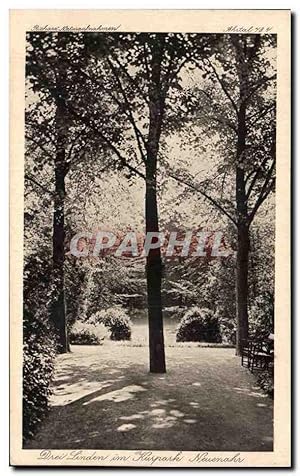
[150, 235]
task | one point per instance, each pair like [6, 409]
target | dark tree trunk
[154, 261]
[242, 286]
[154, 279]
[59, 306]
[242, 237]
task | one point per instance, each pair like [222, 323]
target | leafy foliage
[116, 320]
[38, 284]
[262, 274]
[83, 333]
[198, 325]
[265, 380]
[38, 366]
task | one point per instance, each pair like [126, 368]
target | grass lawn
[105, 398]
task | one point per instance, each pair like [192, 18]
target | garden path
[104, 398]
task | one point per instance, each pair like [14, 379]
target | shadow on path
[108, 400]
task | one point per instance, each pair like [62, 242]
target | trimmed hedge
[198, 325]
[38, 366]
[116, 320]
[83, 333]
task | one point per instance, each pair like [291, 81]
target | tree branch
[265, 190]
[38, 184]
[36, 142]
[169, 77]
[260, 114]
[137, 132]
[202, 192]
[122, 159]
[257, 173]
[223, 87]
[74, 144]
[54, 93]
[222, 121]
[258, 85]
[43, 129]
[131, 80]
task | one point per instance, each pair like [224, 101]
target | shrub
[228, 331]
[265, 380]
[261, 316]
[198, 325]
[116, 320]
[38, 367]
[83, 333]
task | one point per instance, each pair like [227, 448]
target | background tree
[55, 141]
[237, 96]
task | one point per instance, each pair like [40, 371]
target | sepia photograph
[148, 255]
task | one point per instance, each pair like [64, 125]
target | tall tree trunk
[154, 261]
[154, 279]
[242, 286]
[59, 306]
[242, 236]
